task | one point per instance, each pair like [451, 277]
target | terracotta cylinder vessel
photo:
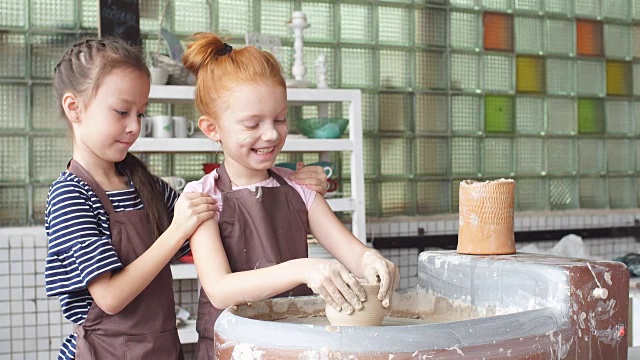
[486, 217]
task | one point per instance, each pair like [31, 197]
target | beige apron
[259, 228]
[146, 328]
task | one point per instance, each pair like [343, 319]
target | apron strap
[278, 178]
[78, 170]
[223, 183]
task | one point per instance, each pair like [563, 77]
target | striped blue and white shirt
[80, 246]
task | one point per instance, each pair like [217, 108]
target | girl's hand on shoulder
[191, 210]
[312, 177]
[376, 268]
[335, 284]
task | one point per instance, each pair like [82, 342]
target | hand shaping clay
[371, 314]
[486, 217]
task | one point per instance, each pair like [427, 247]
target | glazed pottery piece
[486, 217]
[371, 314]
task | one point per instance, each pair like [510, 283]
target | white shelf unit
[318, 97]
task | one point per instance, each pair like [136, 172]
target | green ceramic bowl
[322, 128]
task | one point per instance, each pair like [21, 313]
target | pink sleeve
[307, 195]
[207, 185]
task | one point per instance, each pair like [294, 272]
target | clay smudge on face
[242, 139]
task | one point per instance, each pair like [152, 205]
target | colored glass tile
[590, 116]
[619, 78]
[589, 36]
[530, 74]
[498, 31]
[499, 114]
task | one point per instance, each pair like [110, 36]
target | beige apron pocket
[165, 345]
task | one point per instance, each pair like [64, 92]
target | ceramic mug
[159, 76]
[177, 183]
[288, 165]
[162, 126]
[182, 127]
[209, 167]
[145, 127]
[327, 166]
[332, 185]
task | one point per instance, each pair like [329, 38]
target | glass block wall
[539, 90]
[544, 91]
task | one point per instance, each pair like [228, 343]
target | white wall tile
[394, 229]
[431, 227]
[449, 227]
[15, 254]
[385, 229]
[404, 228]
[41, 254]
[29, 318]
[413, 228]
[43, 344]
[43, 331]
[42, 317]
[30, 332]
[15, 241]
[15, 267]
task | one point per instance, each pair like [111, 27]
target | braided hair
[85, 64]
[81, 71]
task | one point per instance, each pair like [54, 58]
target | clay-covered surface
[465, 307]
[268, 329]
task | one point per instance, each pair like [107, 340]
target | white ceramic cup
[145, 127]
[159, 76]
[182, 127]
[162, 126]
[177, 183]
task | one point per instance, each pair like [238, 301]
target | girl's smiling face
[252, 127]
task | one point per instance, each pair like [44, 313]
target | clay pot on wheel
[371, 314]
